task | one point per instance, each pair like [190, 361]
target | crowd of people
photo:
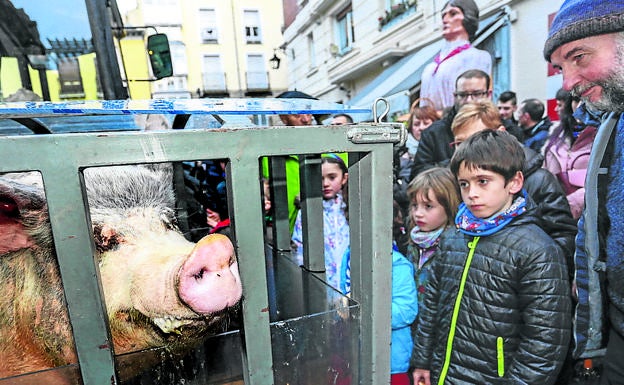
[508, 259]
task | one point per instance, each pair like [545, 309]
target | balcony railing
[257, 81]
[214, 83]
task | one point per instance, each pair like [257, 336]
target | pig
[159, 289]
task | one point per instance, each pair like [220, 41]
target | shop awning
[395, 75]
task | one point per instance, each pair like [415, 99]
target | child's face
[427, 213]
[466, 131]
[333, 180]
[485, 192]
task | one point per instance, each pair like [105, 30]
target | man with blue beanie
[586, 41]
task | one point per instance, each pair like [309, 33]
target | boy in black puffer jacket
[543, 187]
[497, 306]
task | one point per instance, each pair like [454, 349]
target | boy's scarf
[469, 224]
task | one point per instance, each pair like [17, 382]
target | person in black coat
[497, 305]
[435, 147]
[542, 186]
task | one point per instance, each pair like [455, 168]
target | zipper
[449, 343]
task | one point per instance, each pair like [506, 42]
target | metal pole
[102, 36]
[43, 79]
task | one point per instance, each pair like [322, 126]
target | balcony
[257, 83]
[395, 13]
[214, 84]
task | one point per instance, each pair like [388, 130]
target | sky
[57, 19]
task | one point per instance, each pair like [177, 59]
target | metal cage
[61, 158]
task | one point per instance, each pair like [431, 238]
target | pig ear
[105, 237]
[23, 216]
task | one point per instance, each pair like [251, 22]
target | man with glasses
[436, 142]
[434, 148]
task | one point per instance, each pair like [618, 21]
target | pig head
[159, 289]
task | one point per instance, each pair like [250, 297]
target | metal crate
[61, 158]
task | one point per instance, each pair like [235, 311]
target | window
[396, 10]
[311, 51]
[257, 75]
[212, 74]
[178, 58]
[208, 32]
[345, 32]
[390, 4]
[171, 84]
[251, 20]
[162, 12]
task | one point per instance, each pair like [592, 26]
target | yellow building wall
[54, 85]
[88, 73]
[10, 80]
[136, 67]
[231, 47]
[35, 81]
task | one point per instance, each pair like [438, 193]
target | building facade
[354, 51]
[219, 48]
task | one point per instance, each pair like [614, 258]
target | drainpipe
[236, 28]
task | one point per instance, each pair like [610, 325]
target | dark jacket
[513, 312]
[553, 209]
[543, 187]
[535, 137]
[599, 278]
[435, 147]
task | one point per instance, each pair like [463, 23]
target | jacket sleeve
[425, 155]
[554, 212]
[577, 202]
[404, 299]
[544, 295]
[424, 337]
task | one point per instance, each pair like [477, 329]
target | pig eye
[8, 208]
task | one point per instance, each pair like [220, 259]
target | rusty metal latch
[377, 132]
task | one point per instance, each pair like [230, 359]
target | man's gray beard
[612, 98]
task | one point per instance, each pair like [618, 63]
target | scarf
[426, 242]
[438, 60]
[468, 224]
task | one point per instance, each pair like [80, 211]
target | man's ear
[516, 182]
[284, 119]
[501, 128]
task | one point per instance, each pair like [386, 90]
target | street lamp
[275, 60]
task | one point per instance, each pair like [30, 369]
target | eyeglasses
[466, 95]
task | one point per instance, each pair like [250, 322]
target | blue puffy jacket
[404, 311]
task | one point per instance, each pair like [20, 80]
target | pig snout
[209, 280]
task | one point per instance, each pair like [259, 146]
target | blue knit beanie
[578, 19]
